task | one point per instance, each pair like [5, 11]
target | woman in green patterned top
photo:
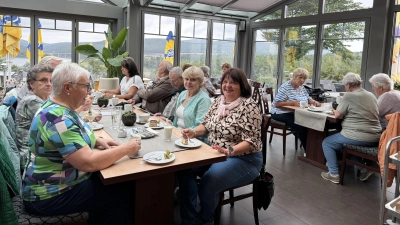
[61, 159]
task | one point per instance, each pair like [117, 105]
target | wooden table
[154, 194]
[315, 155]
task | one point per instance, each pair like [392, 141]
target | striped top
[287, 93]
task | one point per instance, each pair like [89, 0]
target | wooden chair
[253, 193]
[370, 153]
[274, 124]
[256, 92]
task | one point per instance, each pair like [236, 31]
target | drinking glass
[116, 117]
[90, 115]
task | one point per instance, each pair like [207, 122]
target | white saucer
[96, 126]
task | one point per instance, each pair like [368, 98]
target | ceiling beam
[109, 2]
[224, 6]
[188, 5]
[147, 3]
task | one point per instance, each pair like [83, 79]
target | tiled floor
[302, 196]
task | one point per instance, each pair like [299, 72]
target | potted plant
[102, 101]
[111, 55]
[128, 118]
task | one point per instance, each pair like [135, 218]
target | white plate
[316, 110]
[157, 157]
[194, 144]
[96, 126]
[161, 125]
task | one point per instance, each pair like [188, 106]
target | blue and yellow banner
[40, 44]
[11, 33]
[169, 48]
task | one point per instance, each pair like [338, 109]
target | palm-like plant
[111, 55]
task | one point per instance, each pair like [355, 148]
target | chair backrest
[256, 92]
[264, 128]
[266, 96]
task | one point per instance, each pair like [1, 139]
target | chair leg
[271, 134]
[296, 141]
[341, 175]
[284, 141]
[217, 215]
[231, 196]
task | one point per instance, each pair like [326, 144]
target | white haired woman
[388, 99]
[208, 87]
[360, 125]
[61, 159]
[291, 93]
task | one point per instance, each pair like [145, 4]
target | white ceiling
[241, 8]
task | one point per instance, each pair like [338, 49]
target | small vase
[129, 120]
[102, 102]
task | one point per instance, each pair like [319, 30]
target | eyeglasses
[88, 88]
[44, 81]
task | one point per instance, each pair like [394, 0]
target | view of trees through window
[223, 47]
[193, 42]
[342, 44]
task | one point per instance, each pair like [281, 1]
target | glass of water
[116, 117]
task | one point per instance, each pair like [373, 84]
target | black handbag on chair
[265, 189]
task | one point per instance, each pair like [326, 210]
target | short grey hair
[34, 71]
[167, 66]
[300, 72]
[176, 70]
[194, 72]
[67, 72]
[382, 80]
[352, 79]
[48, 60]
[206, 70]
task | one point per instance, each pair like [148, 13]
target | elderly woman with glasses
[360, 126]
[130, 84]
[388, 99]
[59, 175]
[39, 84]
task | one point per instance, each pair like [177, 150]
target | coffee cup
[114, 101]
[121, 133]
[303, 104]
[144, 117]
[127, 107]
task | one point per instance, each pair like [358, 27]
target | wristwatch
[231, 150]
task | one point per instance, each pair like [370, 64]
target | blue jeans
[106, 204]
[335, 143]
[288, 118]
[236, 170]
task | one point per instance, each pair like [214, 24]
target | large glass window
[156, 29]
[342, 50]
[57, 38]
[265, 63]
[13, 59]
[272, 16]
[395, 70]
[193, 42]
[299, 49]
[332, 6]
[223, 47]
[302, 8]
[92, 34]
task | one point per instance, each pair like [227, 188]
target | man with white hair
[48, 61]
[155, 98]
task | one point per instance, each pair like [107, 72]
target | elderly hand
[131, 101]
[98, 117]
[296, 103]
[221, 150]
[109, 95]
[105, 143]
[132, 146]
[88, 103]
[188, 133]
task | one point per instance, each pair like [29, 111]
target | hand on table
[109, 95]
[296, 103]
[132, 146]
[221, 150]
[106, 143]
[131, 101]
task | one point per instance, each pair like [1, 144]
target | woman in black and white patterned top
[234, 127]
